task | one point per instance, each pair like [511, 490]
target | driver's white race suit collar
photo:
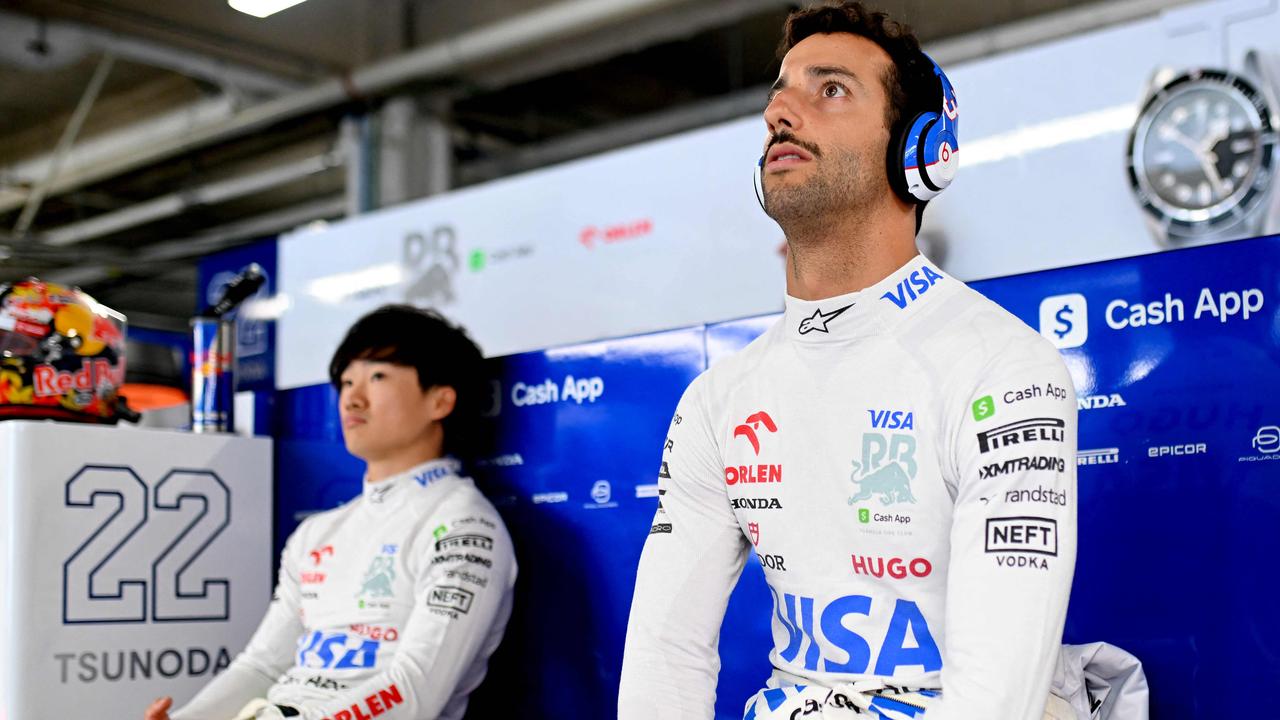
[386, 492]
[862, 313]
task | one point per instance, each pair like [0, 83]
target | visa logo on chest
[912, 287]
[892, 419]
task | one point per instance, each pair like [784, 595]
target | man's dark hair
[441, 353]
[909, 83]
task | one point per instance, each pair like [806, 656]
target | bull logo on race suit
[434, 259]
[378, 578]
[887, 467]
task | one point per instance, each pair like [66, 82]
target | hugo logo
[748, 428]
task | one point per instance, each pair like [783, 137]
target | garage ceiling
[180, 68]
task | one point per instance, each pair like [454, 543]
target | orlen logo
[896, 568]
[320, 553]
[748, 428]
[590, 235]
[912, 287]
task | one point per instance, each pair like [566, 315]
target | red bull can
[212, 375]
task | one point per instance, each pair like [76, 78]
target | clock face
[1201, 154]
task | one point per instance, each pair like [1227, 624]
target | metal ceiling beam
[175, 203]
[173, 253]
[62, 42]
[446, 58]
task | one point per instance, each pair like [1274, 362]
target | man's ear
[441, 400]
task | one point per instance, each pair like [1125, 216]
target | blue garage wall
[1176, 359]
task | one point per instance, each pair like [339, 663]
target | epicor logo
[1187, 449]
[749, 426]
[1064, 320]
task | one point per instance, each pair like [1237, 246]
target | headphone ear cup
[895, 161]
[915, 157]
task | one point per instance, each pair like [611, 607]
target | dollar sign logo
[1062, 319]
[864, 515]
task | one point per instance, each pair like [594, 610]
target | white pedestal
[133, 563]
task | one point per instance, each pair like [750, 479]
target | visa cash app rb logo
[1064, 320]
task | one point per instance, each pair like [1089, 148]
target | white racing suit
[902, 462]
[387, 607]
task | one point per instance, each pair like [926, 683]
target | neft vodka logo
[1105, 456]
[912, 287]
[1022, 541]
[1064, 320]
[1016, 433]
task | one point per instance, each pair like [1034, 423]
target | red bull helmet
[61, 354]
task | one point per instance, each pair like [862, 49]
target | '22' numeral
[84, 601]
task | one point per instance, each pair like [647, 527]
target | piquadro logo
[1064, 320]
[146, 591]
[912, 287]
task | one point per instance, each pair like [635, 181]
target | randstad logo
[912, 287]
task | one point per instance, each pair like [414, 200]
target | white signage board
[662, 235]
[669, 234]
[136, 564]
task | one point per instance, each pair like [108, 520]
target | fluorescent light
[1034, 138]
[262, 8]
[343, 286]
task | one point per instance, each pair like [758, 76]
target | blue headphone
[922, 158]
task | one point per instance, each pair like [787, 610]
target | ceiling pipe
[524, 32]
[176, 203]
[39, 44]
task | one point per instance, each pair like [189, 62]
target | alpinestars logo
[817, 322]
[748, 428]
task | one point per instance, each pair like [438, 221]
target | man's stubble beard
[845, 187]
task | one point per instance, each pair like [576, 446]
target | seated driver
[391, 604]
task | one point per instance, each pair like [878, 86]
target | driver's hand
[159, 710]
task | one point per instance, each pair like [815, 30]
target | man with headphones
[898, 451]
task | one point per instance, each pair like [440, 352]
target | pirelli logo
[453, 542]
[1023, 431]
